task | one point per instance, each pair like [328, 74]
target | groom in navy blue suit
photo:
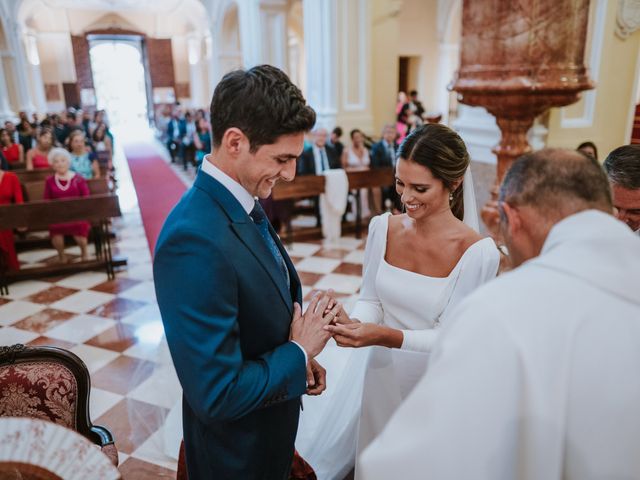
[229, 295]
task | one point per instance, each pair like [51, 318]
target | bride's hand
[355, 334]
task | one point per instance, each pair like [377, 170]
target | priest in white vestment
[537, 374]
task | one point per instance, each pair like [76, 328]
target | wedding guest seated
[334, 141]
[26, 132]
[202, 140]
[37, 157]
[588, 148]
[383, 155]
[65, 183]
[10, 192]
[623, 169]
[102, 146]
[536, 375]
[83, 161]
[357, 156]
[319, 157]
[12, 151]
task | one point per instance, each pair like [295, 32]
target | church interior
[119, 92]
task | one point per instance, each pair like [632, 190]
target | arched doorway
[120, 80]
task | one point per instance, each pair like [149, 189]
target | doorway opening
[120, 81]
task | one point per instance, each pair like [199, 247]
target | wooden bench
[41, 174]
[39, 214]
[305, 186]
[35, 190]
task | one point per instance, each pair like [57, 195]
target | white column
[250, 32]
[5, 108]
[196, 70]
[447, 65]
[274, 33]
[478, 129]
[37, 85]
[320, 53]
[16, 47]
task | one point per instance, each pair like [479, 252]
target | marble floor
[115, 327]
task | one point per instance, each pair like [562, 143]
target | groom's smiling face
[259, 171]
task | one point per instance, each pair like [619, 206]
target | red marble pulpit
[518, 59]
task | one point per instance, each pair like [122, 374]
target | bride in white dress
[417, 267]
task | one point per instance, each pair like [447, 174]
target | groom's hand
[308, 330]
[341, 317]
[316, 378]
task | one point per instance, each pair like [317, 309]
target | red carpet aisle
[157, 187]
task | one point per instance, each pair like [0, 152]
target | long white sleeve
[368, 308]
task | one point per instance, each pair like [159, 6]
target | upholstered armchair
[53, 384]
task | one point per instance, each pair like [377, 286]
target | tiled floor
[115, 327]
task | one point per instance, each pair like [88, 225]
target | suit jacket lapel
[248, 233]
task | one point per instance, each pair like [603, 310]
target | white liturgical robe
[536, 376]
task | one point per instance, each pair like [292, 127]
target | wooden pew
[304, 186]
[35, 190]
[41, 174]
[96, 209]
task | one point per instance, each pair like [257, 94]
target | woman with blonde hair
[82, 160]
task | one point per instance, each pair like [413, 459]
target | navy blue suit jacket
[227, 312]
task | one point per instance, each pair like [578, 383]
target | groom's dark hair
[263, 103]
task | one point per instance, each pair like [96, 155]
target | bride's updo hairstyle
[443, 152]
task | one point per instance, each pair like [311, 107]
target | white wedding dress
[365, 386]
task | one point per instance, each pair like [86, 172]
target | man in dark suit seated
[316, 159]
[383, 155]
[319, 157]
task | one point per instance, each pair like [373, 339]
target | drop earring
[450, 197]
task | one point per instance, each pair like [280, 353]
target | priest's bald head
[542, 188]
[623, 169]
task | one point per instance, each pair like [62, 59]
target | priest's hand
[357, 335]
[316, 378]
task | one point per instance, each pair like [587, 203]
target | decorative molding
[595, 56]
[359, 24]
[627, 18]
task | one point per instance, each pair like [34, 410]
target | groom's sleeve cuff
[306, 357]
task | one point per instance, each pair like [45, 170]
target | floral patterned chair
[53, 384]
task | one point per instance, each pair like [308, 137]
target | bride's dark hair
[444, 153]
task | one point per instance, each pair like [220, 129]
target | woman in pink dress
[10, 192]
[66, 184]
[37, 157]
